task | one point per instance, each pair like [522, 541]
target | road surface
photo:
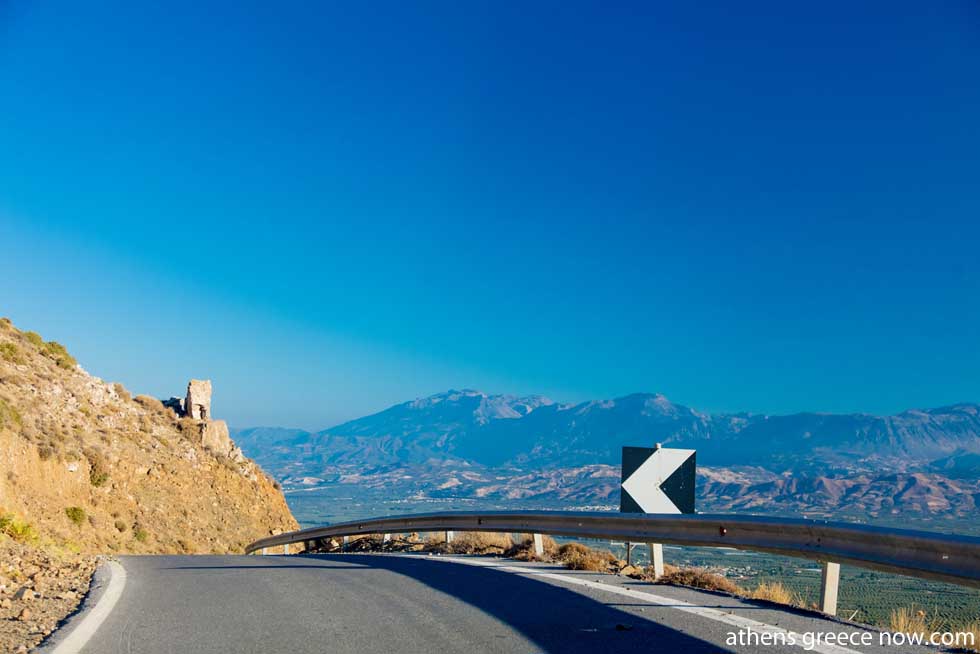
[367, 603]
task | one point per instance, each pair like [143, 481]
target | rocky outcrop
[211, 434]
[215, 437]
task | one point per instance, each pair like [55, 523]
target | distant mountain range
[471, 444]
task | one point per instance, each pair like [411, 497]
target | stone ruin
[198, 402]
[197, 406]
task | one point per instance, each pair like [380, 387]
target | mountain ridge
[469, 444]
[504, 429]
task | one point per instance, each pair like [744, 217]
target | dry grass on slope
[699, 578]
[916, 622]
[773, 591]
[973, 629]
[909, 620]
[577, 556]
[523, 549]
[470, 542]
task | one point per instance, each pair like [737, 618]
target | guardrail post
[265, 550]
[346, 542]
[538, 544]
[285, 549]
[829, 581]
[386, 538]
[450, 535]
[657, 559]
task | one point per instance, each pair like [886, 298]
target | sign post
[657, 480]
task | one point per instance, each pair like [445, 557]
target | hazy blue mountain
[259, 437]
[959, 465]
[535, 432]
[455, 424]
[508, 449]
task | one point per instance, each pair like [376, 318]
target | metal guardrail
[927, 555]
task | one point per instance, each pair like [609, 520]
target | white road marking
[93, 619]
[702, 611]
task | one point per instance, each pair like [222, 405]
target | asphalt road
[408, 603]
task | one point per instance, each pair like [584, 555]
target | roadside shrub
[698, 578]
[472, 542]
[10, 352]
[76, 514]
[57, 351]
[121, 391]
[189, 427]
[9, 416]
[187, 546]
[140, 534]
[972, 628]
[523, 550]
[773, 591]
[910, 620]
[52, 350]
[151, 403]
[569, 550]
[362, 543]
[98, 471]
[17, 529]
[577, 556]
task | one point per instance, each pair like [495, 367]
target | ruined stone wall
[198, 402]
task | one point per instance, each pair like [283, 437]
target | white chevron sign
[658, 480]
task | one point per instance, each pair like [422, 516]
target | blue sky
[328, 209]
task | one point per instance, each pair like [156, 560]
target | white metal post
[265, 550]
[657, 559]
[346, 541]
[285, 549]
[829, 582]
[538, 544]
[386, 538]
[450, 536]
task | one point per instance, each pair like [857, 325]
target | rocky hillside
[95, 469]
